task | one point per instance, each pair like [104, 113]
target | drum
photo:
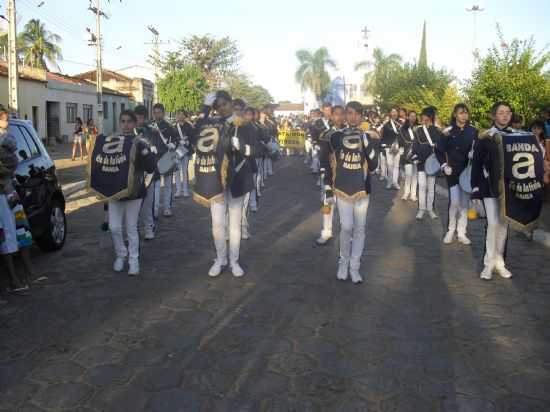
[167, 162]
[432, 165]
[464, 179]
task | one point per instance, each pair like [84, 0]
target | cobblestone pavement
[423, 333]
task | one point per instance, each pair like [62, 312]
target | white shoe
[503, 272]
[464, 240]
[216, 268]
[149, 234]
[186, 194]
[388, 186]
[342, 271]
[432, 214]
[178, 194]
[420, 215]
[381, 178]
[449, 237]
[118, 266]
[355, 276]
[133, 270]
[237, 270]
[487, 273]
[167, 213]
[396, 186]
[321, 241]
[405, 196]
[413, 199]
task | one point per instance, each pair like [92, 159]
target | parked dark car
[38, 187]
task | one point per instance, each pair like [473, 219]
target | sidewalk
[68, 171]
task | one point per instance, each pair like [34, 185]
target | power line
[36, 12]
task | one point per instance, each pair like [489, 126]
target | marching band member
[411, 170]
[457, 145]
[485, 186]
[403, 117]
[316, 127]
[169, 141]
[126, 211]
[271, 128]
[425, 143]
[184, 129]
[150, 207]
[391, 150]
[353, 154]
[223, 176]
[256, 162]
[338, 121]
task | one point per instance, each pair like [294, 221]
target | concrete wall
[31, 93]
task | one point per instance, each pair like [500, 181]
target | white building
[288, 109]
[69, 97]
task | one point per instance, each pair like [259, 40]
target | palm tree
[312, 73]
[379, 68]
[39, 46]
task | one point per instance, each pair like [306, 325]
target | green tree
[183, 89]
[515, 72]
[240, 86]
[312, 71]
[39, 46]
[215, 57]
[378, 79]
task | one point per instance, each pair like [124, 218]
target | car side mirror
[23, 155]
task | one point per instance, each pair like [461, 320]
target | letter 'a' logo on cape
[208, 140]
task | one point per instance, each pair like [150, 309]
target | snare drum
[167, 162]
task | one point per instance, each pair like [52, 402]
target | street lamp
[475, 9]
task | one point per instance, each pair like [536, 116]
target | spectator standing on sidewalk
[77, 138]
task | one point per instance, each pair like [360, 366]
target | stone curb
[71, 188]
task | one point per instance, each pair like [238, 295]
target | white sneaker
[449, 237]
[355, 276]
[118, 266]
[133, 270]
[432, 214]
[420, 215]
[396, 186]
[149, 234]
[464, 240]
[487, 273]
[186, 194]
[388, 186]
[413, 199]
[405, 196]
[321, 241]
[216, 268]
[503, 272]
[237, 270]
[167, 213]
[342, 271]
[178, 194]
[381, 178]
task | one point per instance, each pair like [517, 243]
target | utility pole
[155, 56]
[13, 75]
[96, 40]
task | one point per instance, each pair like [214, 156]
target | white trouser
[497, 233]
[392, 160]
[259, 176]
[119, 212]
[182, 175]
[254, 193]
[353, 220]
[326, 224]
[151, 204]
[426, 191]
[233, 207]
[308, 151]
[315, 162]
[411, 180]
[244, 219]
[168, 190]
[268, 166]
[459, 201]
[383, 165]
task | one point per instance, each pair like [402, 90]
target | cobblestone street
[423, 333]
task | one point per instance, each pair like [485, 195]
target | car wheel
[54, 237]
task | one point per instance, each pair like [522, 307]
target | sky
[268, 33]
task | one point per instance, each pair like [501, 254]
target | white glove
[448, 170]
[171, 146]
[209, 99]
[471, 154]
[235, 143]
[401, 151]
